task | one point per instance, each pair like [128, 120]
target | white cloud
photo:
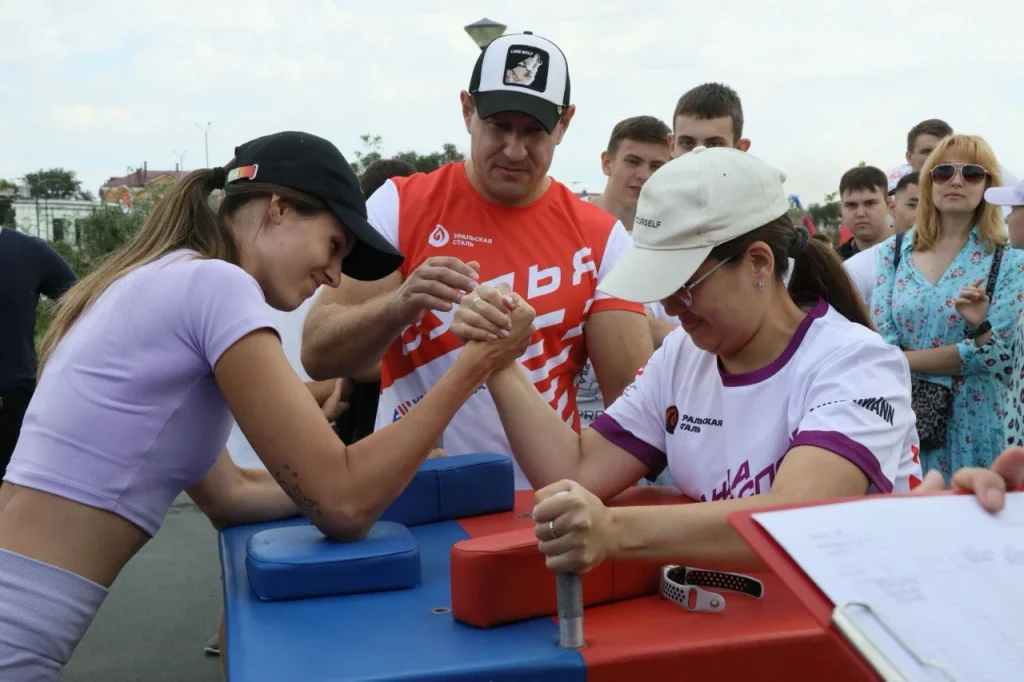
[74, 117]
[80, 117]
[117, 114]
[824, 84]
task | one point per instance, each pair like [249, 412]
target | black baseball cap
[524, 73]
[314, 166]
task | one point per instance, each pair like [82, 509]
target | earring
[760, 285]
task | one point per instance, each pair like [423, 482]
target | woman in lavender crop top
[152, 356]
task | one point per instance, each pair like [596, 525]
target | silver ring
[473, 304]
[551, 530]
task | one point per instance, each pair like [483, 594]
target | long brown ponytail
[817, 269]
[182, 219]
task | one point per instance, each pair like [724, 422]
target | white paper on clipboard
[941, 578]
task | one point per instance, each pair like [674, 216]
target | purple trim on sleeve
[653, 458]
[770, 370]
[846, 447]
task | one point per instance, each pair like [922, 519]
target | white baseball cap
[521, 72]
[1006, 196]
[687, 208]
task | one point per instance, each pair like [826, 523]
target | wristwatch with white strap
[683, 585]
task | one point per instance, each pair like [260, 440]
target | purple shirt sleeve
[849, 449]
[221, 304]
[859, 408]
[653, 458]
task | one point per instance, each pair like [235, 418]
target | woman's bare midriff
[90, 542]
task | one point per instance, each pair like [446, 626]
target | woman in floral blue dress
[934, 307]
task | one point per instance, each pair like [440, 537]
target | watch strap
[684, 585]
[980, 330]
[736, 582]
[692, 598]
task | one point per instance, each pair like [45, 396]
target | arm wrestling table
[411, 634]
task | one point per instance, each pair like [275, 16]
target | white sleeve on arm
[221, 303]
[618, 242]
[861, 269]
[382, 211]
[636, 420]
[858, 406]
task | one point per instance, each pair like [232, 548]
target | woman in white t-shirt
[772, 395]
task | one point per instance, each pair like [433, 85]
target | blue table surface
[380, 636]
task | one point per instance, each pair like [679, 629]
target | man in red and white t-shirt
[495, 218]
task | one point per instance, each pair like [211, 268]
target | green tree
[368, 154]
[429, 162]
[827, 216]
[8, 192]
[104, 231]
[55, 183]
[423, 162]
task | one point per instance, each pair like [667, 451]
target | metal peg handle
[570, 610]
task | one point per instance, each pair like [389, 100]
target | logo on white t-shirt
[689, 422]
[671, 419]
[879, 406]
[439, 237]
[404, 407]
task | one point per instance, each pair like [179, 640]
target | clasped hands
[495, 323]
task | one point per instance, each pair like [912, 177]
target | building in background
[138, 185]
[50, 219]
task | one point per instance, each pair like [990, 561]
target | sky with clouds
[103, 85]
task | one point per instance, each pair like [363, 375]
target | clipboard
[837, 621]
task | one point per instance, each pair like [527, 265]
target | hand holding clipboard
[988, 485]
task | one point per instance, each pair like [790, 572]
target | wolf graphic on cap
[524, 72]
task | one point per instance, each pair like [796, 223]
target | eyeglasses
[972, 173]
[684, 295]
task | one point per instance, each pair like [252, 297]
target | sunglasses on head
[972, 173]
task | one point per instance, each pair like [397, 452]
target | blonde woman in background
[931, 301]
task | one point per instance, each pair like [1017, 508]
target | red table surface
[776, 638]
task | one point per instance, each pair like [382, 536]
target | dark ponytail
[817, 269]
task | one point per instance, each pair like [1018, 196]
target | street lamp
[484, 31]
[181, 159]
[206, 140]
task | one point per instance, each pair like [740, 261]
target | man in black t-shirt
[864, 202]
[29, 267]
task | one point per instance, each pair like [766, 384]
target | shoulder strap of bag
[993, 272]
[899, 250]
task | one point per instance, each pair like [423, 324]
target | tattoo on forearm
[287, 480]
